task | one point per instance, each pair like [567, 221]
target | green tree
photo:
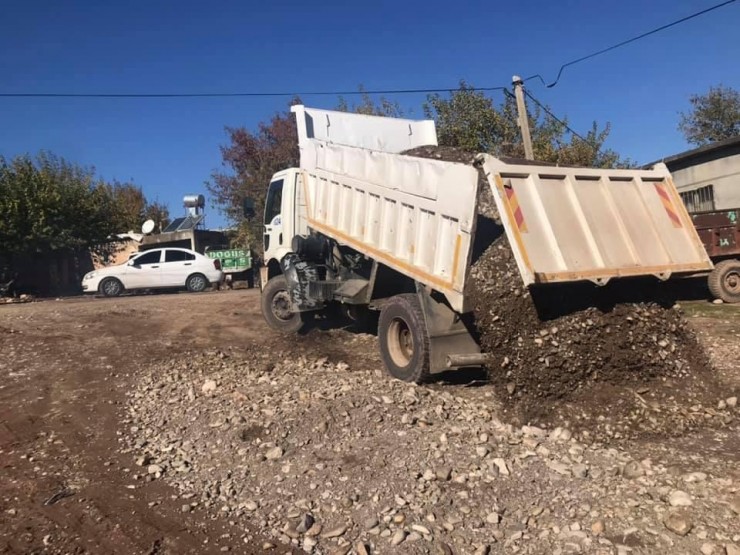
[470, 120]
[250, 159]
[713, 116]
[157, 212]
[51, 204]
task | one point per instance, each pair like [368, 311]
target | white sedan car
[155, 269]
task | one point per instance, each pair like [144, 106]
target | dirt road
[65, 368]
[89, 387]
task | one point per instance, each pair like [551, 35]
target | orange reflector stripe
[516, 210]
[668, 205]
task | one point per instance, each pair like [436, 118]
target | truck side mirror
[249, 212]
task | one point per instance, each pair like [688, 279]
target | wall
[48, 274]
[720, 169]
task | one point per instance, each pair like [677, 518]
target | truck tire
[403, 337]
[110, 287]
[724, 281]
[275, 303]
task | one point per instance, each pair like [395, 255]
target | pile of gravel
[326, 455]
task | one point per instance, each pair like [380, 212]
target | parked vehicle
[156, 269]
[236, 264]
[719, 230]
[364, 226]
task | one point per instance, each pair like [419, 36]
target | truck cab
[284, 218]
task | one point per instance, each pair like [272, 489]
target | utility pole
[521, 108]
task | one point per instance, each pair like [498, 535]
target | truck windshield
[274, 201]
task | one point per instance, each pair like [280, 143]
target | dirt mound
[551, 342]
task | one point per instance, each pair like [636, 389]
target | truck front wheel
[724, 281]
[404, 341]
[276, 306]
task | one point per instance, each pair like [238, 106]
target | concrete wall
[720, 169]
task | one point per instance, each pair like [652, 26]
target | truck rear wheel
[276, 306]
[724, 281]
[403, 337]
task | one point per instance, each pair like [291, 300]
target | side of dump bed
[571, 224]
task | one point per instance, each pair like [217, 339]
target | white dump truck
[362, 226]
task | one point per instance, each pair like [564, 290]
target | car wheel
[196, 283]
[110, 287]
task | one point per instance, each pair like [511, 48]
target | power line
[239, 94]
[553, 116]
[628, 41]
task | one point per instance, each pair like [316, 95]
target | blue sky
[170, 147]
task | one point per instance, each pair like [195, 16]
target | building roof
[711, 151]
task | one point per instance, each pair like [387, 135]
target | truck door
[273, 218]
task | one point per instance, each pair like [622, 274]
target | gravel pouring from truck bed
[331, 457]
[566, 342]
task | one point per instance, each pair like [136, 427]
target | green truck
[236, 264]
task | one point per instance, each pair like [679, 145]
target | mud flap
[299, 275]
[449, 332]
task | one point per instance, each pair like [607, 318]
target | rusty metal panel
[719, 230]
[569, 224]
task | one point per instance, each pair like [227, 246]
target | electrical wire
[553, 116]
[359, 92]
[628, 41]
[240, 94]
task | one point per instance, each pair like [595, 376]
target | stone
[428, 475]
[694, 477]
[482, 450]
[443, 473]
[633, 470]
[493, 518]
[732, 549]
[501, 466]
[731, 402]
[154, 469]
[678, 523]
[559, 467]
[598, 528]
[250, 506]
[274, 453]
[209, 386]
[305, 523]
[580, 470]
[315, 530]
[679, 498]
[334, 532]
[362, 549]
[735, 504]
[708, 548]
[370, 523]
[398, 537]
[421, 529]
